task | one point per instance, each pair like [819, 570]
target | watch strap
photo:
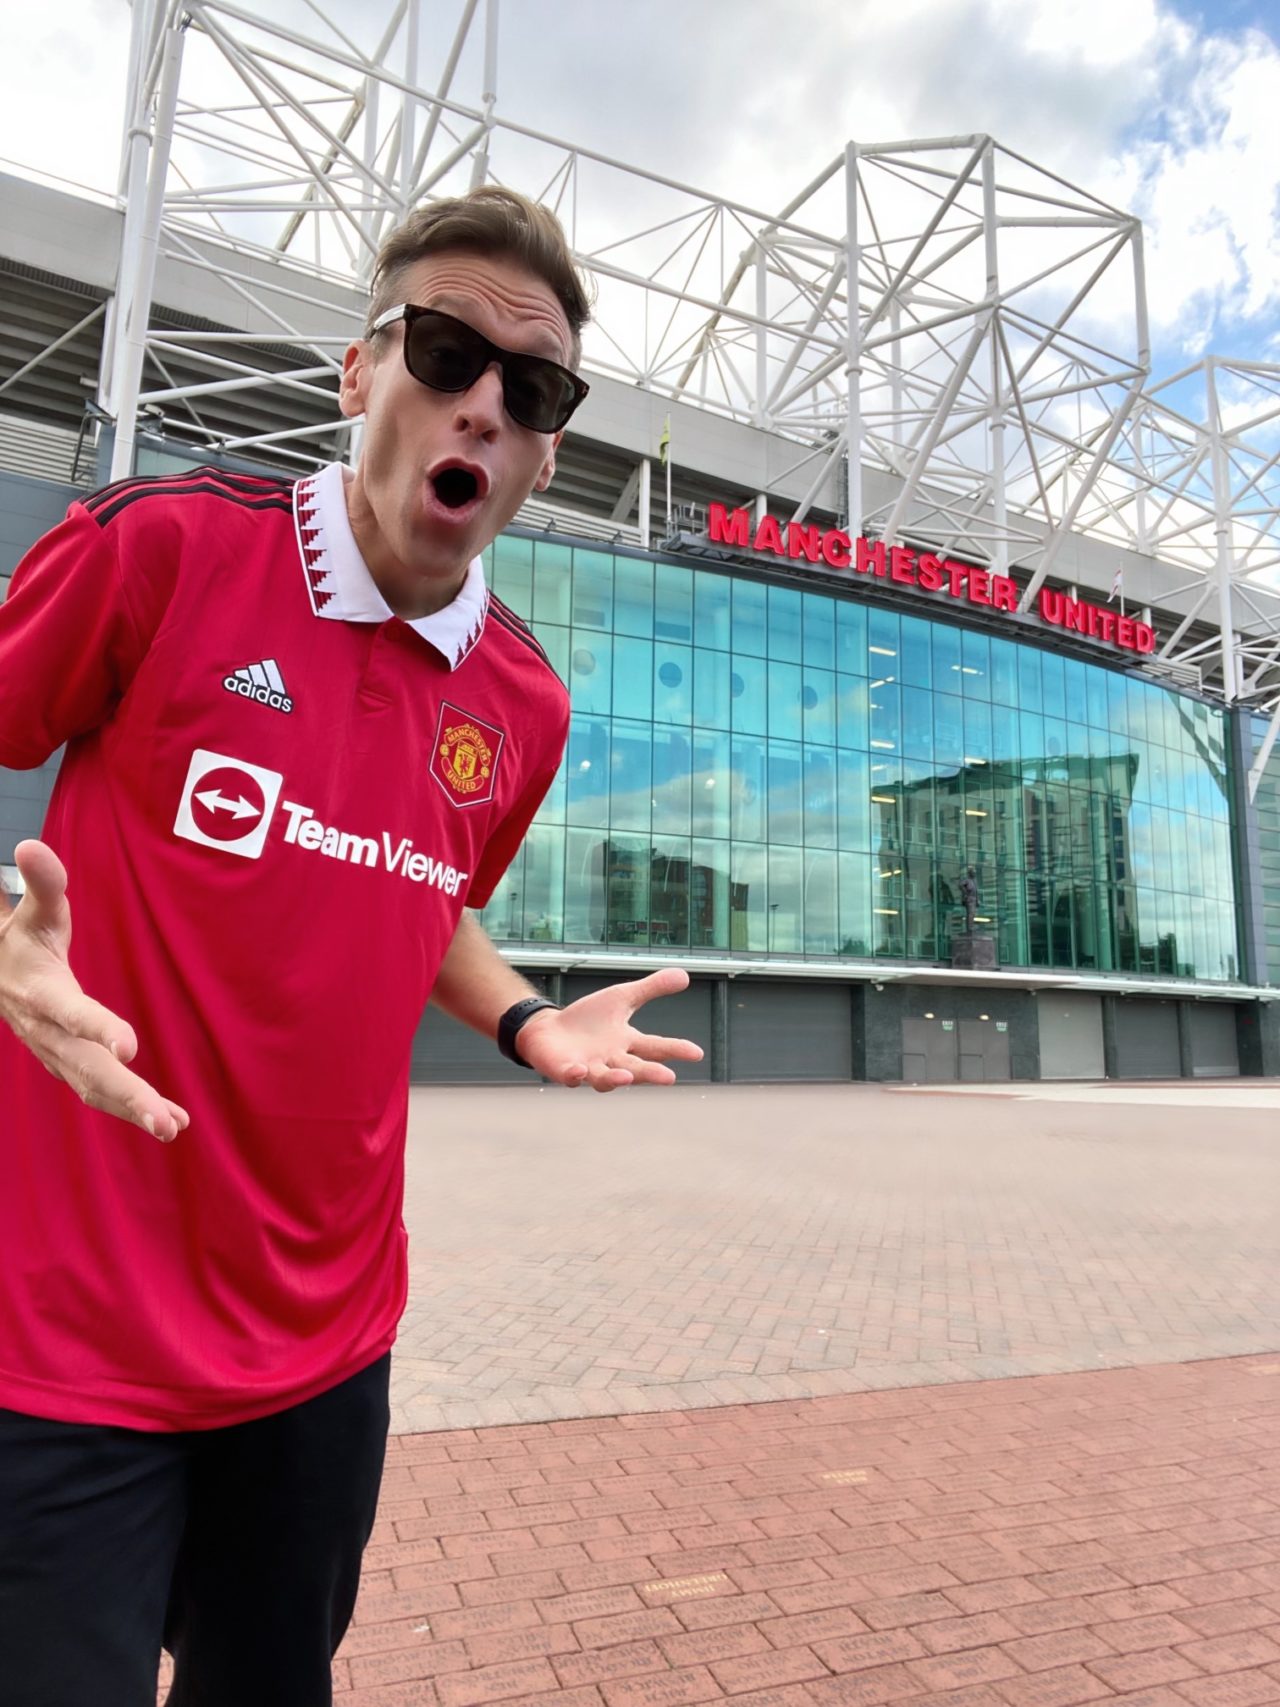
[516, 1016]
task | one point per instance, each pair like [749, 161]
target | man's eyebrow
[461, 308]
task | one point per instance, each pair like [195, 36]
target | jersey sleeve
[504, 844]
[70, 640]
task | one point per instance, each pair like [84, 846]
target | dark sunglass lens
[444, 354]
[538, 393]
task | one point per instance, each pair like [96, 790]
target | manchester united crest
[464, 760]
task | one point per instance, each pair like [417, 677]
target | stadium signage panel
[833, 550]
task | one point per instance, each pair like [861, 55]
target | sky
[1168, 110]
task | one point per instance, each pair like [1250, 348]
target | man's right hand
[76, 1038]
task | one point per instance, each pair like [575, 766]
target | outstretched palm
[593, 1041]
[75, 1037]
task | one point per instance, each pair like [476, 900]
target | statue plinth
[974, 953]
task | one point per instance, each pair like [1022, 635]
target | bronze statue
[969, 895]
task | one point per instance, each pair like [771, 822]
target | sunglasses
[449, 355]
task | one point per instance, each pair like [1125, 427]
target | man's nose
[479, 408]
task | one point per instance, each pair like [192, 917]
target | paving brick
[1059, 1687]
[662, 1688]
[628, 1659]
[626, 1627]
[1132, 1672]
[1056, 1648]
[876, 1648]
[964, 1669]
[1231, 1689]
[495, 1683]
[983, 1629]
[1239, 1651]
[769, 1670]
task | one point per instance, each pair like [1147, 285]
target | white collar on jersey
[339, 583]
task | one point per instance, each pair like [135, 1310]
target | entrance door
[984, 1050]
[930, 1052]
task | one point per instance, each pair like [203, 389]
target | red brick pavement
[1041, 1542]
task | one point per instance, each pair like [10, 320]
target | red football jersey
[276, 799]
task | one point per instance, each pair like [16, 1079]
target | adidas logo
[262, 682]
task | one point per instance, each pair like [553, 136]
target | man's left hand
[593, 1041]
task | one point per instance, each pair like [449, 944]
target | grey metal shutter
[783, 1031]
[1147, 1039]
[446, 1052]
[1211, 1037]
[1070, 1035]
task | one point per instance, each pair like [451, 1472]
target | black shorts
[238, 1549]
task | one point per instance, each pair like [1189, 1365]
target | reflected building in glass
[758, 769]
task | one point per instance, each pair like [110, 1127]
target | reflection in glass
[814, 774]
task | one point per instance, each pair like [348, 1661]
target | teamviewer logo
[227, 804]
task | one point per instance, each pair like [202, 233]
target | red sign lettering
[925, 571]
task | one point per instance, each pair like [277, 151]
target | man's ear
[547, 472]
[353, 387]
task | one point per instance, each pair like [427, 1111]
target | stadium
[877, 556]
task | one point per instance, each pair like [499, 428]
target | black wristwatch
[511, 1021]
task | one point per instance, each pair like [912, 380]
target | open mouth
[455, 487]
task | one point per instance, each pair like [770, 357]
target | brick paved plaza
[579, 1256]
[711, 1393]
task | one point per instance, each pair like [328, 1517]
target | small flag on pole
[664, 443]
[1117, 586]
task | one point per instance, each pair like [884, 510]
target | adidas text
[261, 683]
[305, 830]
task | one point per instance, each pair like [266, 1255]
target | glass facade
[759, 769]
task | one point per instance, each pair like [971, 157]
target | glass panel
[786, 819]
[785, 704]
[1030, 697]
[749, 898]
[786, 900]
[672, 772]
[748, 818]
[977, 732]
[784, 624]
[627, 889]
[544, 884]
[853, 817]
[511, 574]
[591, 672]
[886, 717]
[712, 790]
[592, 589]
[711, 688]
[820, 797]
[552, 577]
[851, 711]
[851, 638]
[673, 604]
[1077, 698]
[947, 675]
[633, 677]
[1004, 673]
[749, 618]
[818, 701]
[855, 902]
[882, 643]
[633, 597]
[819, 632]
[670, 888]
[555, 643]
[588, 772]
[917, 652]
[1096, 695]
[712, 599]
[502, 917]
[917, 724]
[748, 695]
[584, 886]
[975, 664]
[672, 682]
[1053, 685]
[821, 909]
[710, 897]
[631, 777]
[948, 730]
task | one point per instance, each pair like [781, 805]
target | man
[301, 739]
